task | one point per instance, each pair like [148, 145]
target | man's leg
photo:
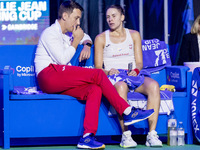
[92, 94]
[59, 78]
[55, 80]
[62, 78]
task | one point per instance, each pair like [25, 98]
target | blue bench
[53, 115]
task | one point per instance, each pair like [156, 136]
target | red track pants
[84, 84]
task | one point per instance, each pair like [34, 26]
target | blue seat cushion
[164, 95]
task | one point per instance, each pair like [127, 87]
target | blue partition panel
[21, 59]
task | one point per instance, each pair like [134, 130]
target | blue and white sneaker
[89, 142]
[137, 115]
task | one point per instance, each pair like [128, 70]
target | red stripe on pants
[84, 84]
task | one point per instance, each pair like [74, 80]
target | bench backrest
[21, 59]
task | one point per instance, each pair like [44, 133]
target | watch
[88, 44]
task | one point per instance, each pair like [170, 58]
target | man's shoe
[89, 142]
[152, 139]
[137, 115]
[127, 140]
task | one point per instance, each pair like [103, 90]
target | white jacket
[54, 47]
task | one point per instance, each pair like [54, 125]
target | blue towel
[132, 81]
[155, 55]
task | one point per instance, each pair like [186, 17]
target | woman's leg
[122, 89]
[126, 140]
[151, 89]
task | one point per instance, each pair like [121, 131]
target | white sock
[127, 111]
[86, 134]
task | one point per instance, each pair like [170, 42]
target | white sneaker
[152, 139]
[127, 140]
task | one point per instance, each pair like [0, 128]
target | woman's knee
[121, 87]
[152, 86]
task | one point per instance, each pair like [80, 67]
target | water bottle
[173, 136]
[171, 123]
[181, 134]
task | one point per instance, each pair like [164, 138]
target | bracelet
[137, 70]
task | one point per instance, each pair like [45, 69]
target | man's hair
[118, 7]
[195, 26]
[68, 7]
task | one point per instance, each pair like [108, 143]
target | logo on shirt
[107, 45]
[130, 46]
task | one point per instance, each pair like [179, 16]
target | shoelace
[137, 109]
[155, 136]
[92, 136]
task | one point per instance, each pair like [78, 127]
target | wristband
[137, 70]
[88, 44]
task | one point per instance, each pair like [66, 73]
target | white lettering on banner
[29, 15]
[25, 71]
[11, 27]
[27, 10]
[10, 6]
[8, 16]
[193, 106]
[27, 6]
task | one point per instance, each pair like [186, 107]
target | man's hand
[85, 53]
[78, 35]
[113, 71]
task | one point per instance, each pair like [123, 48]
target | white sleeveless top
[118, 55]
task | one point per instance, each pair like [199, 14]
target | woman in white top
[114, 50]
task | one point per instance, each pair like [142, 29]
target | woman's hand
[113, 71]
[134, 72]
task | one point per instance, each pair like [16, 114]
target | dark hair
[68, 7]
[118, 7]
